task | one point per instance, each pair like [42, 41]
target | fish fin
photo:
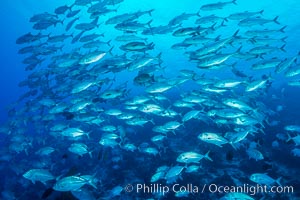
[289, 137]
[108, 43]
[116, 10]
[158, 57]
[251, 133]
[165, 149]
[71, 6]
[151, 45]
[234, 2]
[233, 146]
[88, 135]
[150, 12]
[93, 185]
[267, 121]
[222, 24]
[110, 50]
[90, 154]
[186, 165]
[90, 182]
[282, 29]
[198, 13]
[72, 34]
[235, 33]
[44, 183]
[149, 24]
[120, 144]
[276, 20]
[59, 177]
[278, 181]
[207, 156]
[239, 50]
[262, 124]
[152, 121]
[282, 48]
[283, 39]
[182, 124]
[213, 26]
[95, 22]
[217, 38]
[261, 12]
[33, 181]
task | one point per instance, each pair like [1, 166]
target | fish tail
[282, 48]
[116, 10]
[150, 12]
[207, 156]
[276, 20]
[108, 43]
[268, 121]
[62, 21]
[233, 146]
[235, 33]
[283, 39]
[90, 154]
[151, 45]
[217, 38]
[88, 135]
[213, 26]
[72, 34]
[149, 23]
[152, 121]
[102, 35]
[223, 23]
[198, 13]
[95, 22]
[90, 182]
[110, 50]
[289, 138]
[282, 29]
[159, 153]
[278, 181]
[239, 50]
[159, 57]
[44, 182]
[71, 6]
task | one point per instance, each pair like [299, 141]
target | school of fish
[103, 109]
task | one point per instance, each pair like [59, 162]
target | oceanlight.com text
[206, 188]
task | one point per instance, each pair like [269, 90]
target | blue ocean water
[138, 110]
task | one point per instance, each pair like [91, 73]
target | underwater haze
[127, 99]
